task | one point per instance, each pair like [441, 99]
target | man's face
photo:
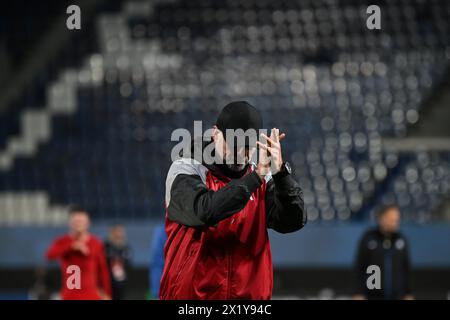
[79, 222]
[235, 158]
[117, 234]
[390, 221]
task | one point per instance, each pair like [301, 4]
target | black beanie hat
[239, 115]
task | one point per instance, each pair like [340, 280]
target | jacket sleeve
[191, 203]
[285, 210]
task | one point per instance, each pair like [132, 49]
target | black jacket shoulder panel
[184, 166]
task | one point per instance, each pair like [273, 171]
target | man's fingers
[272, 134]
[262, 145]
[268, 139]
[265, 147]
[272, 141]
[275, 135]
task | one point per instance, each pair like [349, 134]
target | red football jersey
[94, 274]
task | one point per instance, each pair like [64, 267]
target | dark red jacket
[216, 223]
[94, 274]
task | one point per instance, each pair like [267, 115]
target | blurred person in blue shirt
[156, 259]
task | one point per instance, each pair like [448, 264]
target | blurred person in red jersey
[81, 255]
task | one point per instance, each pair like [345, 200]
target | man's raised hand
[270, 156]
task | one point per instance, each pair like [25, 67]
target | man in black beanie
[217, 214]
[243, 122]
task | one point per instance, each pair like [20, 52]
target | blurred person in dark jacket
[387, 248]
[41, 286]
[118, 255]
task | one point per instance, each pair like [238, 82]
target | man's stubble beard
[236, 167]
